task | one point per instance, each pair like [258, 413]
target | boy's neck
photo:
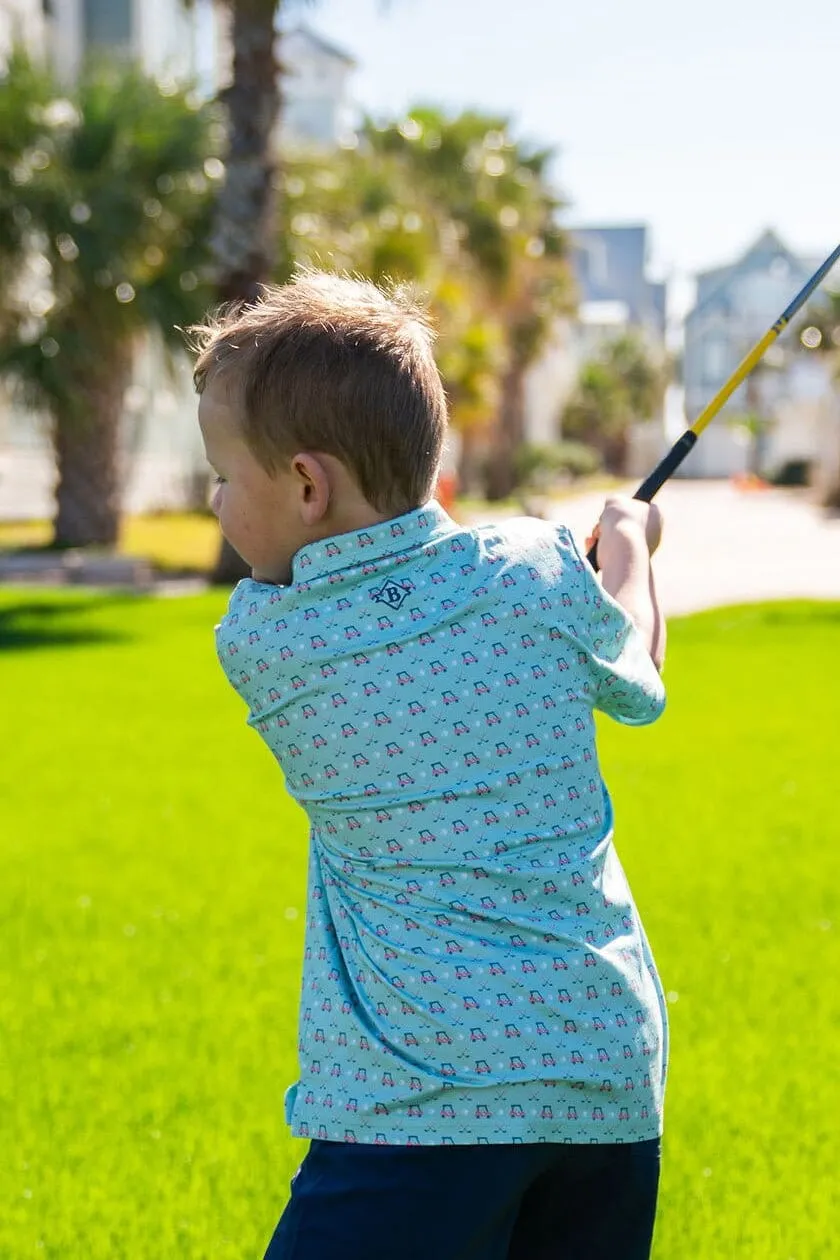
[353, 517]
[349, 510]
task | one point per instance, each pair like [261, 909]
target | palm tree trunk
[229, 568]
[244, 240]
[246, 230]
[469, 470]
[86, 445]
[510, 433]
[615, 450]
[755, 453]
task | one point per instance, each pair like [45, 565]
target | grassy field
[171, 540]
[151, 934]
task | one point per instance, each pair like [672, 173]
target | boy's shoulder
[526, 528]
[544, 550]
[524, 539]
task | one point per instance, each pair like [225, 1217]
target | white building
[21, 20]
[610, 264]
[791, 388]
[317, 107]
[166, 37]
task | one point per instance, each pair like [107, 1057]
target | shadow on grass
[55, 623]
[826, 611]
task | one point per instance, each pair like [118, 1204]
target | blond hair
[335, 365]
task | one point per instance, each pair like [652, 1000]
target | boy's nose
[216, 500]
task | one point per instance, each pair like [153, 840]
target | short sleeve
[625, 683]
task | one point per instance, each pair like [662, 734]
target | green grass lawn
[152, 902]
[170, 540]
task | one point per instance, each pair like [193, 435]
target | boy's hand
[624, 519]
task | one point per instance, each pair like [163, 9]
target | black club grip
[653, 483]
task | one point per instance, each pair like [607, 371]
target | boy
[482, 1030]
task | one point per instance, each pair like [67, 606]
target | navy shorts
[514, 1202]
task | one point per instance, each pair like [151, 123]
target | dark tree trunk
[229, 568]
[615, 449]
[755, 451]
[510, 434]
[245, 235]
[86, 445]
[469, 462]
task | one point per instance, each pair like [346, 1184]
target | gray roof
[713, 286]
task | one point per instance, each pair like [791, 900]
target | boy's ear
[313, 486]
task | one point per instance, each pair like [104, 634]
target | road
[722, 545]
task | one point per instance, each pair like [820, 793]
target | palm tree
[363, 210]
[623, 385]
[244, 238]
[495, 191]
[104, 205]
[820, 333]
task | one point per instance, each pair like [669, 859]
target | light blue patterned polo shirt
[475, 969]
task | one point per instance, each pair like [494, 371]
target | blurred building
[616, 297]
[317, 106]
[790, 389]
[21, 20]
[166, 37]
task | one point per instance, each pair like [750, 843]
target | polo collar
[368, 546]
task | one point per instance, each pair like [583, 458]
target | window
[714, 361]
[107, 21]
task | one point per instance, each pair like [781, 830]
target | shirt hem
[515, 1134]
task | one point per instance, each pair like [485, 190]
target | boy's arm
[627, 535]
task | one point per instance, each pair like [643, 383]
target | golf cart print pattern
[475, 969]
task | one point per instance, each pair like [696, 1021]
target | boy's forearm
[627, 575]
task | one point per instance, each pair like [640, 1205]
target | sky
[709, 122]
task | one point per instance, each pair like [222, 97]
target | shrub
[539, 465]
[793, 472]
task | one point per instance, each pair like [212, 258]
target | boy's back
[482, 1033]
[475, 970]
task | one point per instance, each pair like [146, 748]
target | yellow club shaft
[737, 378]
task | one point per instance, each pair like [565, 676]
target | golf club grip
[653, 483]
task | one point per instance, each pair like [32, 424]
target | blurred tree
[493, 189]
[471, 357]
[820, 333]
[244, 240]
[360, 210]
[104, 211]
[244, 236]
[755, 427]
[625, 384]
[820, 329]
